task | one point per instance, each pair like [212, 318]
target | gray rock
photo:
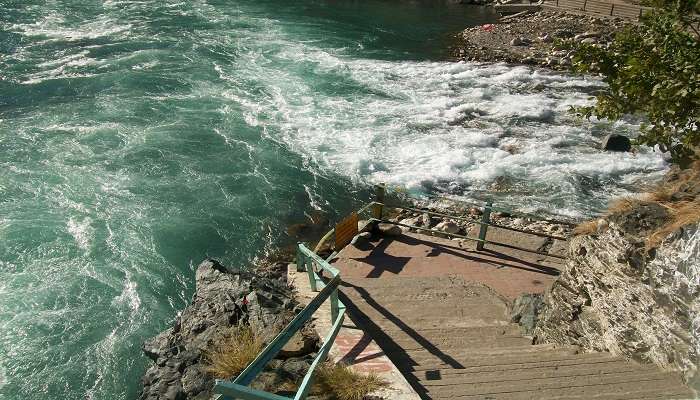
[426, 221]
[589, 41]
[520, 41]
[447, 227]
[546, 38]
[300, 344]
[389, 229]
[525, 311]
[586, 35]
[361, 239]
[616, 142]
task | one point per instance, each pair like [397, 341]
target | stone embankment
[541, 38]
[224, 299]
[631, 285]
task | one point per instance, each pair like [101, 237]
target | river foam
[140, 137]
[464, 129]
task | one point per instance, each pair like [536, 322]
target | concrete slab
[509, 272]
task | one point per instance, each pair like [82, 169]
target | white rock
[447, 227]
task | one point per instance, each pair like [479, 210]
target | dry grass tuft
[664, 191]
[682, 213]
[345, 384]
[586, 228]
[622, 205]
[234, 353]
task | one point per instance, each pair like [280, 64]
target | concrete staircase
[453, 340]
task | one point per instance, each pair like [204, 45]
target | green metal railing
[314, 265]
[377, 207]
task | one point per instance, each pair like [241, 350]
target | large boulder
[616, 142]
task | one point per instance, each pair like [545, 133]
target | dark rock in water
[223, 299]
[616, 142]
[525, 311]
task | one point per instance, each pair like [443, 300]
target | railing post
[311, 272]
[485, 219]
[334, 306]
[612, 8]
[300, 259]
[377, 209]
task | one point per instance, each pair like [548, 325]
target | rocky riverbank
[541, 38]
[225, 298]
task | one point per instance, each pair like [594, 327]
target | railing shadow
[398, 356]
[383, 262]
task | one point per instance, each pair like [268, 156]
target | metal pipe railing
[238, 389]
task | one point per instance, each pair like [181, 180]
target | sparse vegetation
[682, 213]
[678, 196]
[586, 228]
[652, 69]
[234, 353]
[341, 382]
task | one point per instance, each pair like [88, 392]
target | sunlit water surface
[138, 138]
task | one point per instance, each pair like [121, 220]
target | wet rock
[616, 142]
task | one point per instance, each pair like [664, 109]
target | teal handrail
[306, 260]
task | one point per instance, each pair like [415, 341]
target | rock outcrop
[223, 299]
[618, 295]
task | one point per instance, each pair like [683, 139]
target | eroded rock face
[223, 299]
[615, 296]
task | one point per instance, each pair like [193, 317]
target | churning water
[138, 137]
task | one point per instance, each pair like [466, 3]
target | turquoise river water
[139, 137]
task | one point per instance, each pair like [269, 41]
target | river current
[139, 137]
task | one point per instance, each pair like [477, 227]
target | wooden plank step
[569, 385]
[451, 344]
[461, 358]
[587, 360]
[476, 376]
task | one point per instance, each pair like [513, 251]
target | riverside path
[438, 309]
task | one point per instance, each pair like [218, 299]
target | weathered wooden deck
[439, 310]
